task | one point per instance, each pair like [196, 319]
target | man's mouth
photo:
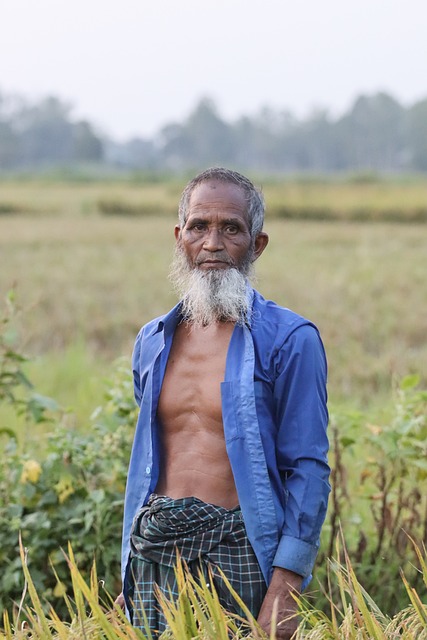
[213, 264]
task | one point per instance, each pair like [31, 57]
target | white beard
[208, 296]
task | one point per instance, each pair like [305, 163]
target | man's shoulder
[150, 327]
[151, 334]
[279, 330]
[156, 325]
[269, 313]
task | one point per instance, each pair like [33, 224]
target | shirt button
[147, 470]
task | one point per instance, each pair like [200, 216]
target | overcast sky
[131, 66]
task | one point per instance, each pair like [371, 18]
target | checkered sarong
[206, 537]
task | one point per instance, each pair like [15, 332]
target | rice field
[87, 275]
[88, 279]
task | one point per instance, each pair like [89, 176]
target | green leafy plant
[15, 387]
[72, 492]
[377, 474]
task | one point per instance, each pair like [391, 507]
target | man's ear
[177, 232]
[261, 241]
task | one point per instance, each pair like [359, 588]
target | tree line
[377, 133]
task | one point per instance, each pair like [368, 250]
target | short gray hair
[254, 197]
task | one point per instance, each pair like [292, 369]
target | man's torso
[194, 460]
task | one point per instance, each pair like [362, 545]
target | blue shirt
[275, 418]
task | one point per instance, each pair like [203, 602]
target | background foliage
[377, 133]
[73, 491]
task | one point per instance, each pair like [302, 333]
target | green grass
[59, 375]
[74, 378]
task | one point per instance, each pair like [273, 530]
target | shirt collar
[169, 322]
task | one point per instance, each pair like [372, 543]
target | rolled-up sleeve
[302, 447]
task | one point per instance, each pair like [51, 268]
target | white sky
[131, 66]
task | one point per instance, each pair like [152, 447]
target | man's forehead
[218, 191]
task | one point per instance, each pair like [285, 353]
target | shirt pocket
[231, 406]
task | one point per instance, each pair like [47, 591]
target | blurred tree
[372, 134]
[174, 146]
[9, 141]
[87, 146]
[317, 137]
[260, 141]
[136, 153]
[377, 133]
[211, 137]
[9, 146]
[417, 135]
[46, 133]
[203, 139]
[43, 134]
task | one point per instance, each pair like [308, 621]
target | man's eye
[198, 227]
[231, 228]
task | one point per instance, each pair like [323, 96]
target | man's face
[216, 234]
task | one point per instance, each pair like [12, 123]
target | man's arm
[120, 600]
[302, 448]
[301, 452]
[283, 586]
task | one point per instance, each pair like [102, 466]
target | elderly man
[229, 462]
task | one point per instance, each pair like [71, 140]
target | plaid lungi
[206, 536]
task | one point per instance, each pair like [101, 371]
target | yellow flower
[31, 471]
[64, 488]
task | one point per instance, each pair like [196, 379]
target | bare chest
[196, 366]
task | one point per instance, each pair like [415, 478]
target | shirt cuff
[296, 555]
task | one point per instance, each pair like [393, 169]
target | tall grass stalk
[197, 614]
[357, 616]
[419, 608]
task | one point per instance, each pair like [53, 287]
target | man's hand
[120, 600]
[283, 584]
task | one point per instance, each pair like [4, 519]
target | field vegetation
[198, 615]
[84, 279]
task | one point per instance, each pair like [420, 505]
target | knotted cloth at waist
[206, 536]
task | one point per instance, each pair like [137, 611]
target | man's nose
[213, 240]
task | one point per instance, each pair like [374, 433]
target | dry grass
[64, 198]
[41, 197]
[198, 615]
[347, 195]
[83, 276]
